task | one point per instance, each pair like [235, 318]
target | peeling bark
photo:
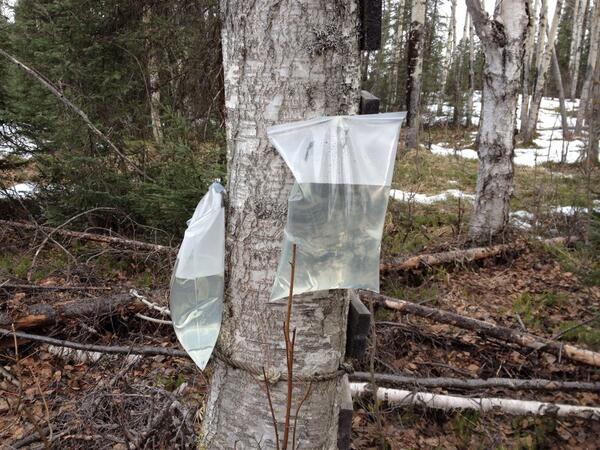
[415, 72]
[282, 61]
[503, 43]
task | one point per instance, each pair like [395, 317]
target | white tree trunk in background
[594, 122]
[561, 96]
[398, 41]
[579, 13]
[415, 72]
[528, 64]
[471, 74]
[502, 39]
[586, 89]
[282, 61]
[542, 75]
[448, 53]
[153, 81]
[541, 33]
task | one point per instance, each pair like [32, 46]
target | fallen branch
[450, 402]
[61, 96]
[112, 240]
[478, 383]
[36, 287]
[462, 256]
[487, 329]
[43, 314]
[111, 349]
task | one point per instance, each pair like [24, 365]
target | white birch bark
[576, 41]
[448, 53]
[415, 72]
[528, 64]
[452, 402]
[542, 75]
[586, 89]
[282, 62]
[398, 47]
[471, 88]
[594, 124]
[502, 39]
[541, 33]
[153, 81]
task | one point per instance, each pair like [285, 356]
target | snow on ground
[21, 190]
[424, 199]
[551, 145]
[11, 140]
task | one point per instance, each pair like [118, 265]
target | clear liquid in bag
[337, 230]
[196, 309]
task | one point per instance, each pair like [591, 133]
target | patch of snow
[21, 190]
[572, 210]
[424, 199]
[12, 140]
[467, 153]
[521, 219]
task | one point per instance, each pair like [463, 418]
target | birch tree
[527, 63]
[471, 87]
[579, 12]
[398, 46]
[542, 75]
[281, 62]
[448, 53]
[586, 89]
[153, 79]
[502, 39]
[415, 72]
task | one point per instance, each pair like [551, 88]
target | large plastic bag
[197, 281]
[343, 168]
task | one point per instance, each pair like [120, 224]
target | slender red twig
[289, 352]
[271, 408]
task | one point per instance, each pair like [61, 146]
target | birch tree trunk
[458, 93]
[448, 53]
[502, 39]
[561, 95]
[594, 123]
[397, 45]
[542, 76]
[469, 121]
[579, 13]
[586, 89]
[541, 34]
[527, 65]
[282, 62]
[153, 80]
[415, 72]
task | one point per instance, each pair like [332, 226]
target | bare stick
[478, 383]
[289, 351]
[37, 287]
[271, 407]
[111, 240]
[487, 329]
[306, 395]
[462, 256]
[57, 93]
[112, 349]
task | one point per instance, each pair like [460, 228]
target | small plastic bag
[343, 168]
[197, 281]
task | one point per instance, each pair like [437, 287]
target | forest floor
[62, 400]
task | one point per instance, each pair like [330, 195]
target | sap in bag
[343, 168]
[197, 281]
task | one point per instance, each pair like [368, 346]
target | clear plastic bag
[343, 168]
[197, 281]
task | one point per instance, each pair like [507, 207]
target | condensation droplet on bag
[343, 167]
[198, 278]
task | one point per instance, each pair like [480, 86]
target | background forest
[113, 119]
